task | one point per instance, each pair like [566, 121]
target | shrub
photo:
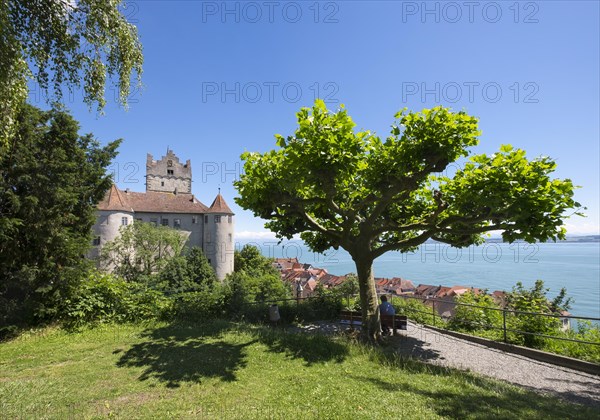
[103, 298]
[470, 318]
[327, 304]
[198, 305]
[414, 309]
[585, 331]
[534, 300]
[99, 298]
[189, 273]
[243, 289]
[142, 303]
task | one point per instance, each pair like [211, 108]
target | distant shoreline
[570, 239]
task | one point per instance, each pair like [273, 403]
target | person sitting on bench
[386, 308]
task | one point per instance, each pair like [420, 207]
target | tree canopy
[64, 43]
[253, 262]
[254, 279]
[188, 273]
[142, 249]
[338, 187]
[50, 180]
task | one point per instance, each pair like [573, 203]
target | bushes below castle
[106, 298]
[185, 288]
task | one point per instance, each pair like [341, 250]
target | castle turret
[168, 174]
[218, 237]
[113, 212]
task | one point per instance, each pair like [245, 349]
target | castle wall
[107, 228]
[187, 224]
[168, 184]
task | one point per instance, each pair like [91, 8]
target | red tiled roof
[219, 206]
[426, 289]
[284, 263]
[150, 202]
[113, 200]
[442, 291]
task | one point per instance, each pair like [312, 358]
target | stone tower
[168, 174]
[218, 236]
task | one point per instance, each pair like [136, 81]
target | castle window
[96, 241]
[164, 222]
[217, 218]
[154, 221]
[170, 172]
[139, 219]
[230, 238]
[176, 223]
[205, 219]
[229, 218]
[162, 183]
[194, 220]
[124, 221]
[209, 260]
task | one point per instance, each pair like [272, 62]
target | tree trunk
[368, 298]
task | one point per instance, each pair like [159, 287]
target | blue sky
[221, 78]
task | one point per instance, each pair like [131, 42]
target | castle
[169, 201]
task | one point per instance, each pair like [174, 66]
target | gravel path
[444, 350]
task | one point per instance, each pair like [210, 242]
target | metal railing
[433, 313]
[504, 328]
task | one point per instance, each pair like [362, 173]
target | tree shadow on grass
[408, 346]
[312, 348]
[186, 353]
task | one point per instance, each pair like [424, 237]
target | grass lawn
[228, 370]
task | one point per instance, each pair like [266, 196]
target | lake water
[493, 266]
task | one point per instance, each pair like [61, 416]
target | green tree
[484, 314]
[64, 43]
[252, 261]
[527, 303]
[187, 274]
[201, 272]
[349, 287]
[50, 180]
[254, 279]
[141, 249]
[338, 187]
[243, 288]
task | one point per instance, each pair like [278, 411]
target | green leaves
[64, 44]
[338, 187]
[142, 249]
[51, 180]
[507, 191]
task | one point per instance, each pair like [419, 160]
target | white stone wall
[196, 230]
[219, 243]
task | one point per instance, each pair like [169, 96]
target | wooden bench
[354, 319]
